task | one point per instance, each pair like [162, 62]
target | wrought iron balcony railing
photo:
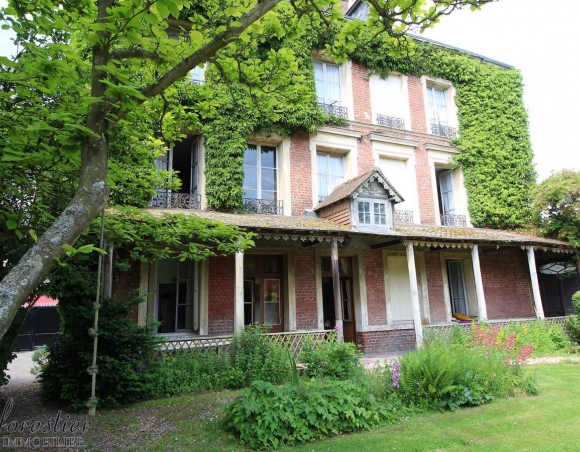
[453, 220]
[168, 200]
[263, 206]
[334, 110]
[443, 131]
[404, 216]
[390, 121]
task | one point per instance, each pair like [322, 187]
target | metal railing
[168, 200]
[404, 216]
[390, 121]
[453, 220]
[263, 206]
[443, 131]
[294, 341]
[334, 110]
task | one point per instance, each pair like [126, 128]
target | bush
[126, 370]
[40, 360]
[251, 356]
[267, 416]
[331, 359]
[573, 323]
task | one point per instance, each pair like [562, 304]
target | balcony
[334, 110]
[453, 220]
[443, 131]
[168, 200]
[263, 206]
[390, 121]
[404, 216]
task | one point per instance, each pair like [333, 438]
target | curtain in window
[446, 188]
[457, 287]
[327, 79]
[260, 179]
[330, 173]
[437, 106]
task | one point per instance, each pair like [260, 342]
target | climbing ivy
[496, 153]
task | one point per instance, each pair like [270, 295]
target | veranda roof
[424, 233]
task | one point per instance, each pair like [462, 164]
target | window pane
[332, 84]
[268, 157]
[250, 178]
[251, 155]
[364, 213]
[268, 179]
[272, 313]
[319, 79]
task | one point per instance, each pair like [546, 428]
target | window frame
[372, 203]
[323, 98]
[329, 187]
[259, 190]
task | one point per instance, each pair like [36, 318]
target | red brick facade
[380, 343]
[306, 308]
[374, 278]
[506, 284]
[435, 286]
[300, 168]
[221, 295]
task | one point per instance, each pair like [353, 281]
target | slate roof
[349, 187]
[427, 233]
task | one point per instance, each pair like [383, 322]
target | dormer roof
[373, 181]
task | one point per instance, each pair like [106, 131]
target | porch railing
[453, 220]
[294, 341]
[404, 216]
[334, 110]
[390, 121]
[168, 200]
[446, 328]
[264, 206]
[443, 131]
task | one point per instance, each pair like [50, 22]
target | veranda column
[239, 293]
[535, 284]
[481, 306]
[414, 295]
[336, 287]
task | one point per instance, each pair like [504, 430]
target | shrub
[126, 370]
[40, 360]
[331, 359]
[267, 416]
[251, 356]
[573, 323]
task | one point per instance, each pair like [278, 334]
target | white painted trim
[388, 307]
[239, 292]
[441, 148]
[414, 296]
[449, 89]
[393, 140]
[482, 308]
[340, 132]
[423, 288]
[143, 291]
[203, 294]
[535, 284]
[360, 288]
[445, 280]
[318, 280]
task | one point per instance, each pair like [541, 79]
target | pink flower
[336, 327]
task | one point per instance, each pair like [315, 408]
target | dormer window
[379, 213]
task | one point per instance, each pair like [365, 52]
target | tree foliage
[556, 206]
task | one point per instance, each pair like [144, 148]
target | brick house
[363, 226]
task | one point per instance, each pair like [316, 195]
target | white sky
[542, 39]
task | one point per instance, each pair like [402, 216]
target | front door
[346, 297]
[263, 291]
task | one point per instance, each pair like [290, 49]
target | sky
[540, 38]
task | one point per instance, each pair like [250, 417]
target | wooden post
[239, 293]
[535, 284]
[336, 287]
[481, 306]
[414, 296]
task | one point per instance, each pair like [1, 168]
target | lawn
[547, 422]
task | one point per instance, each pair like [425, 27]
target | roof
[348, 188]
[44, 302]
[423, 233]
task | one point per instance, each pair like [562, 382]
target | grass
[547, 422]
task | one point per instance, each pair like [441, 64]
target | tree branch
[137, 53]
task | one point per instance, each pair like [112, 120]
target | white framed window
[260, 172]
[331, 172]
[372, 213]
[446, 193]
[327, 78]
[437, 101]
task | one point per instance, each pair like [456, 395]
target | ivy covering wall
[493, 130]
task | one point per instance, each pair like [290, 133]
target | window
[379, 213]
[260, 180]
[331, 170]
[457, 288]
[390, 101]
[446, 193]
[175, 307]
[438, 112]
[328, 89]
